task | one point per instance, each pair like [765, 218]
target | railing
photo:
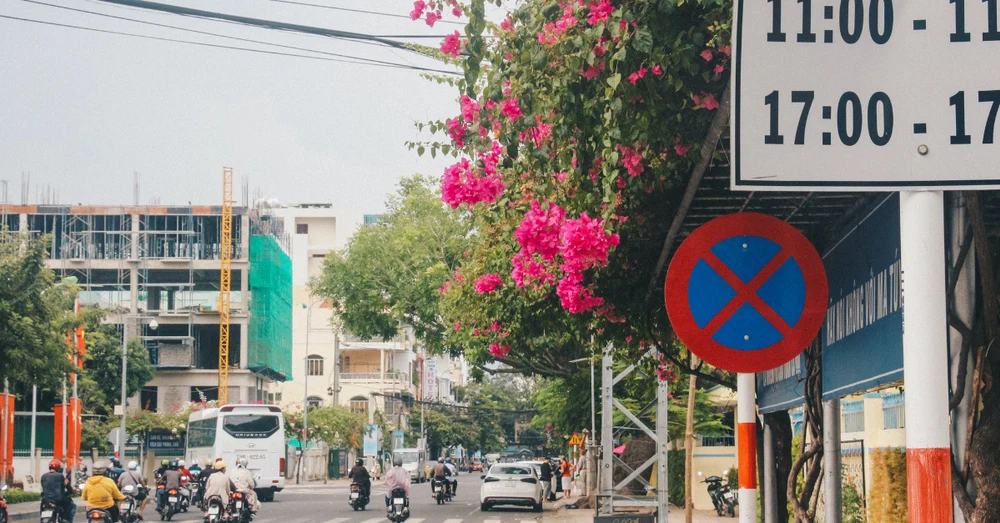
[717, 441]
[372, 376]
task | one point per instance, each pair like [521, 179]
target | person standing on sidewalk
[545, 476]
[566, 474]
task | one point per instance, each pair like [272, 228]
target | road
[328, 504]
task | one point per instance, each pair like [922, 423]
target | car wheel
[537, 507]
[485, 507]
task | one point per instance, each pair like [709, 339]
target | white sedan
[511, 484]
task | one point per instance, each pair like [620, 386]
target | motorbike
[3, 505]
[98, 515]
[128, 506]
[50, 513]
[239, 507]
[216, 512]
[185, 494]
[399, 506]
[195, 488]
[439, 490]
[359, 498]
[172, 506]
[723, 498]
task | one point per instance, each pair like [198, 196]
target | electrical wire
[393, 15]
[219, 46]
[208, 33]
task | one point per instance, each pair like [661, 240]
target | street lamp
[122, 436]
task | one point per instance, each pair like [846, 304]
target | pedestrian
[545, 476]
[566, 473]
[582, 466]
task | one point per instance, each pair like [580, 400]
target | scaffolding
[270, 347]
[225, 283]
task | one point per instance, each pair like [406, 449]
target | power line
[393, 15]
[208, 33]
[204, 44]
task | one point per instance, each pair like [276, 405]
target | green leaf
[614, 80]
[643, 40]
[420, 150]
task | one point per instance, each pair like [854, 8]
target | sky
[82, 111]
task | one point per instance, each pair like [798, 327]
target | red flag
[57, 441]
[7, 420]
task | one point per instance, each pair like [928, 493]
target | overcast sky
[80, 111]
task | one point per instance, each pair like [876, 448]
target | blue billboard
[781, 388]
[862, 335]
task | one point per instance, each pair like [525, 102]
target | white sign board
[430, 380]
[835, 95]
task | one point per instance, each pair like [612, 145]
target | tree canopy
[102, 370]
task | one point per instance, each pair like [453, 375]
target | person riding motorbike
[101, 493]
[133, 477]
[244, 482]
[171, 480]
[454, 475]
[440, 474]
[361, 477]
[56, 489]
[219, 484]
[397, 477]
[114, 470]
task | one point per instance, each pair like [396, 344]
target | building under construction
[163, 264]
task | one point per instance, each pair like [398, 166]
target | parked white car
[511, 484]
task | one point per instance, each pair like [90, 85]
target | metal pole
[5, 421]
[336, 367]
[34, 425]
[607, 434]
[65, 429]
[831, 460]
[122, 436]
[303, 441]
[770, 478]
[925, 357]
[747, 431]
[662, 448]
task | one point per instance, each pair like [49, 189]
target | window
[315, 365]
[346, 367]
[853, 416]
[148, 398]
[250, 425]
[315, 401]
[301, 228]
[893, 411]
[372, 219]
[359, 405]
[201, 433]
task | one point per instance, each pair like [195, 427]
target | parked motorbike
[399, 506]
[98, 515]
[239, 507]
[723, 498]
[3, 505]
[216, 512]
[359, 498]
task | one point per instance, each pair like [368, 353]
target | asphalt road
[328, 504]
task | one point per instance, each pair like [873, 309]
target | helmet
[133, 465]
[164, 463]
[440, 460]
[242, 462]
[55, 465]
[173, 464]
[447, 460]
[397, 461]
[101, 467]
[220, 465]
[208, 462]
[359, 462]
[180, 463]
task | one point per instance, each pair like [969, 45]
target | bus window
[250, 425]
[201, 433]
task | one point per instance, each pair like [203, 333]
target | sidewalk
[676, 515]
[28, 511]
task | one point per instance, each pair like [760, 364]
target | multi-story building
[341, 369]
[156, 270]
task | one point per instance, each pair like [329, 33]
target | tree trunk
[781, 437]
[689, 446]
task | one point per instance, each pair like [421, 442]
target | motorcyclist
[114, 470]
[171, 480]
[396, 477]
[361, 477]
[164, 465]
[454, 475]
[440, 473]
[195, 471]
[56, 489]
[101, 493]
[219, 484]
[206, 471]
[133, 477]
[244, 482]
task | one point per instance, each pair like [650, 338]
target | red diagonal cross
[746, 293]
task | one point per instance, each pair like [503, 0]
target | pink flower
[470, 108]
[457, 11]
[584, 243]
[495, 326]
[599, 49]
[657, 70]
[707, 55]
[499, 351]
[510, 107]
[681, 150]
[631, 160]
[539, 133]
[592, 71]
[432, 17]
[628, 339]
[488, 283]
[710, 103]
[599, 12]
[560, 177]
[527, 271]
[451, 45]
[726, 50]
[507, 25]
[475, 332]
[633, 78]
[719, 68]
[418, 9]
[457, 130]
[575, 297]
[538, 232]
[461, 184]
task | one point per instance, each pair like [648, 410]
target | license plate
[213, 510]
[46, 514]
[354, 495]
[239, 505]
[398, 501]
[173, 499]
[437, 489]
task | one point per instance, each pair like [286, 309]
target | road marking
[452, 520]
[374, 520]
[492, 521]
[337, 520]
[418, 520]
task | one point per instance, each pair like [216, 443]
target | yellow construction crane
[225, 280]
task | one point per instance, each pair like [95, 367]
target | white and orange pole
[746, 421]
[925, 356]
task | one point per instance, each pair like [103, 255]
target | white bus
[254, 432]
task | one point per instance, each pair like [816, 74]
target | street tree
[390, 273]
[334, 425]
[101, 377]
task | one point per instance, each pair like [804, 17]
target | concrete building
[161, 264]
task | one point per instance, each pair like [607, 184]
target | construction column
[746, 419]
[925, 356]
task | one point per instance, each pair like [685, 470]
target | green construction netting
[270, 343]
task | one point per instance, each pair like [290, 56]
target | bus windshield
[407, 457]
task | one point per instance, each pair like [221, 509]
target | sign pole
[925, 356]
[746, 405]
